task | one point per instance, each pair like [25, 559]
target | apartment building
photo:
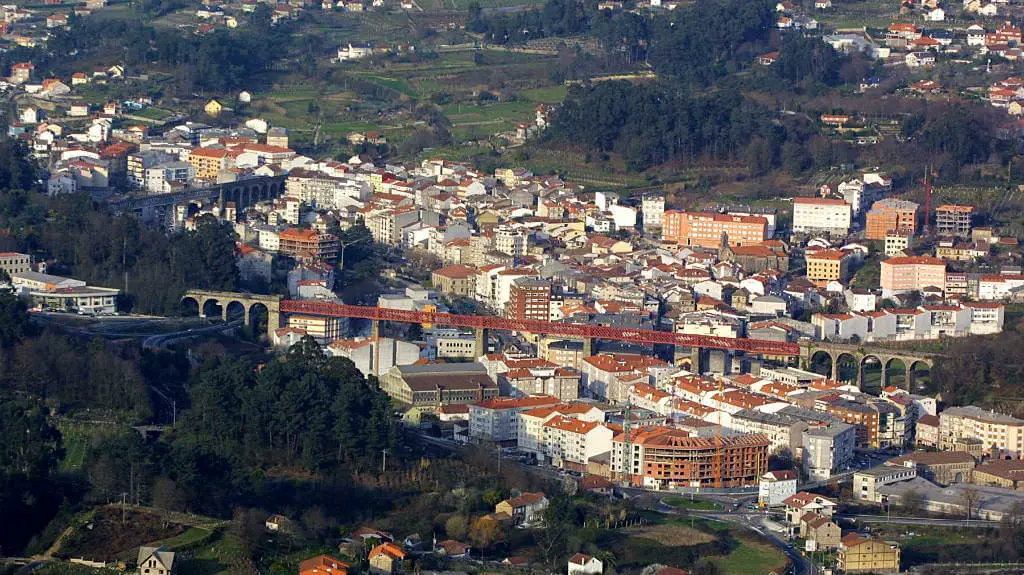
[610, 375]
[828, 450]
[707, 229]
[15, 263]
[321, 328]
[826, 266]
[570, 443]
[560, 382]
[888, 215]
[898, 242]
[209, 162]
[775, 487]
[653, 209]
[782, 431]
[665, 458]
[953, 220]
[309, 244]
[455, 280]
[497, 419]
[992, 429]
[529, 298]
[511, 241]
[862, 192]
[822, 215]
[858, 554]
[531, 423]
[911, 273]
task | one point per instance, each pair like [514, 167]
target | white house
[580, 564]
[775, 487]
[354, 51]
[935, 15]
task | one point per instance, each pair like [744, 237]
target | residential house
[580, 564]
[155, 561]
[858, 554]
[527, 508]
[385, 558]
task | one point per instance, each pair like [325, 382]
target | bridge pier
[835, 366]
[374, 329]
[482, 337]
[588, 346]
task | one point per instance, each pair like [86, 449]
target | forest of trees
[650, 124]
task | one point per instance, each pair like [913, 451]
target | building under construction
[664, 458]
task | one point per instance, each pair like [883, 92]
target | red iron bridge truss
[571, 330]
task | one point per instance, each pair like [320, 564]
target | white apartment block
[571, 442]
[497, 419]
[826, 215]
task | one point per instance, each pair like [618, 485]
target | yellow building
[861, 555]
[828, 265]
[213, 108]
[209, 162]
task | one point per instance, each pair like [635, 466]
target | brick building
[888, 215]
[706, 229]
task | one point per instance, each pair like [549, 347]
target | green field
[546, 95]
[696, 504]
[751, 558]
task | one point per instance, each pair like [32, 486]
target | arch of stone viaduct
[248, 303]
[861, 354]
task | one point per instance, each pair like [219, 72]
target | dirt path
[56, 545]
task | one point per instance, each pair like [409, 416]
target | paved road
[973, 523]
[163, 340]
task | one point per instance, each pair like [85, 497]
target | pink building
[912, 273]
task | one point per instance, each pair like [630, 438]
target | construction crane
[718, 440]
[627, 443]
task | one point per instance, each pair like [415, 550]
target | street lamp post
[341, 262]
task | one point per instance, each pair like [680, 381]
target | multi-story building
[570, 443]
[707, 229]
[167, 177]
[210, 162]
[323, 329]
[374, 356]
[455, 280]
[866, 481]
[529, 298]
[139, 162]
[610, 375]
[827, 215]
[65, 294]
[1004, 432]
[911, 273]
[877, 423]
[897, 242]
[531, 423]
[826, 266]
[560, 382]
[430, 386]
[511, 241]
[828, 450]
[652, 206]
[775, 487]
[953, 220]
[861, 193]
[663, 457]
[858, 554]
[15, 263]
[309, 244]
[387, 226]
[888, 215]
[497, 419]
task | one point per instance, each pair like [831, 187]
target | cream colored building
[15, 263]
[993, 429]
[911, 273]
[860, 555]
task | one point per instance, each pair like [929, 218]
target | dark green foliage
[220, 61]
[78, 375]
[650, 124]
[806, 59]
[305, 409]
[29, 452]
[703, 41]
